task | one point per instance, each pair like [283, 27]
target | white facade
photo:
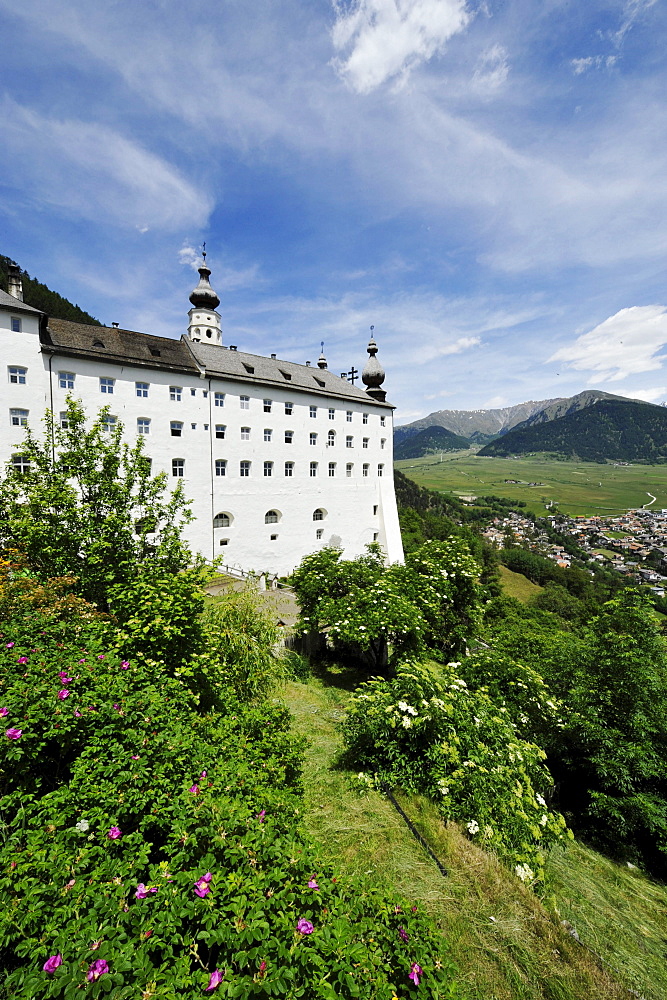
[279, 459]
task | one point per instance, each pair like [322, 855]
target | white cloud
[382, 39]
[655, 394]
[632, 11]
[94, 172]
[580, 66]
[625, 344]
[491, 70]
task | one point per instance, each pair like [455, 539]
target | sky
[482, 181]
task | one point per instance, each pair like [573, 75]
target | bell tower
[205, 326]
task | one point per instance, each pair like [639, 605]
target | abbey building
[278, 458]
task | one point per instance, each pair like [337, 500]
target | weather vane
[372, 328]
[203, 250]
[322, 346]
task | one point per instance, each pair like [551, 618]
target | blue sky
[484, 181]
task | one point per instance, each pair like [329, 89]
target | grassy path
[506, 944]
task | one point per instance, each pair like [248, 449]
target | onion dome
[203, 296]
[373, 374]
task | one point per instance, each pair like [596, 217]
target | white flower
[525, 873]
[540, 800]
[543, 820]
[407, 721]
[82, 826]
[442, 787]
[472, 826]
[403, 705]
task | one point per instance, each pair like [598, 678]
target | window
[205, 427]
[267, 405]
[288, 409]
[245, 402]
[143, 425]
[380, 469]
[18, 418]
[319, 533]
[286, 375]
[193, 427]
[349, 441]
[219, 399]
[313, 411]
[244, 469]
[313, 469]
[375, 510]
[348, 416]
[289, 468]
[66, 380]
[224, 541]
[220, 431]
[348, 470]
[106, 385]
[274, 538]
[364, 469]
[364, 418]
[249, 368]
[18, 375]
[220, 467]
[332, 413]
[64, 422]
[108, 423]
[382, 420]
[176, 428]
[16, 324]
[268, 468]
[383, 441]
[245, 433]
[376, 535]
[289, 437]
[141, 389]
[222, 520]
[332, 469]
[331, 439]
[364, 443]
[313, 437]
[268, 433]
[21, 463]
[175, 393]
[205, 393]
[193, 392]
[318, 514]
[178, 467]
[271, 517]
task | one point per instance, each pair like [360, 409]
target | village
[633, 544]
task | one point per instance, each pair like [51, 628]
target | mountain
[615, 428]
[40, 296]
[563, 407]
[475, 425]
[428, 442]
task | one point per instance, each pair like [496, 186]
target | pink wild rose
[194, 789]
[202, 888]
[313, 884]
[125, 664]
[144, 890]
[63, 675]
[403, 934]
[262, 967]
[10, 645]
[62, 694]
[415, 972]
[13, 733]
[52, 963]
[23, 660]
[304, 926]
[4, 711]
[98, 968]
[214, 981]
[261, 815]
[115, 833]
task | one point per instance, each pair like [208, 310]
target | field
[575, 487]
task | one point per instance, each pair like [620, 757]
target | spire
[322, 361]
[203, 296]
[204, 325]
[373, 374]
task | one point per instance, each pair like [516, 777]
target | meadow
[575, 487]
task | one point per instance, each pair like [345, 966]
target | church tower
[205, 326]
[373, 374]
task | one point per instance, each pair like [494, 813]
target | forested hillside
[40, 296]
[619, 430]
[429, 441]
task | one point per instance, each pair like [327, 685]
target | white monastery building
[279, 459]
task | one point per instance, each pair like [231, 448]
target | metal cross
[352, 374]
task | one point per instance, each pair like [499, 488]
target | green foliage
[428, 441]
[120, 799]
[426, 731]
[431, 602]
[89, 508]
[40, 296]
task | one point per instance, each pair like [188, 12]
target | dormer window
[155, 352]
[249, 368]
[98, 343]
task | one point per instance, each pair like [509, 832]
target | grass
[577, 487]
[517, 585]
[507, 944]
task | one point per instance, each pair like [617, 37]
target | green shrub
[426, 731]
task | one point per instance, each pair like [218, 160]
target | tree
[88, 507]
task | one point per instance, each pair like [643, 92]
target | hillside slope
[476, 425]
[611, 429]
[40, 296]
[430, 441]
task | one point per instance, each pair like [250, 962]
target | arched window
[222, 520]
[271, 517]
[331, 439]
[319, 514]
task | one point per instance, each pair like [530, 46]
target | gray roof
[253, 368]
[117, 346]
[10, 302]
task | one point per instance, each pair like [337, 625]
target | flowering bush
[154, 849]
[426, 731]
